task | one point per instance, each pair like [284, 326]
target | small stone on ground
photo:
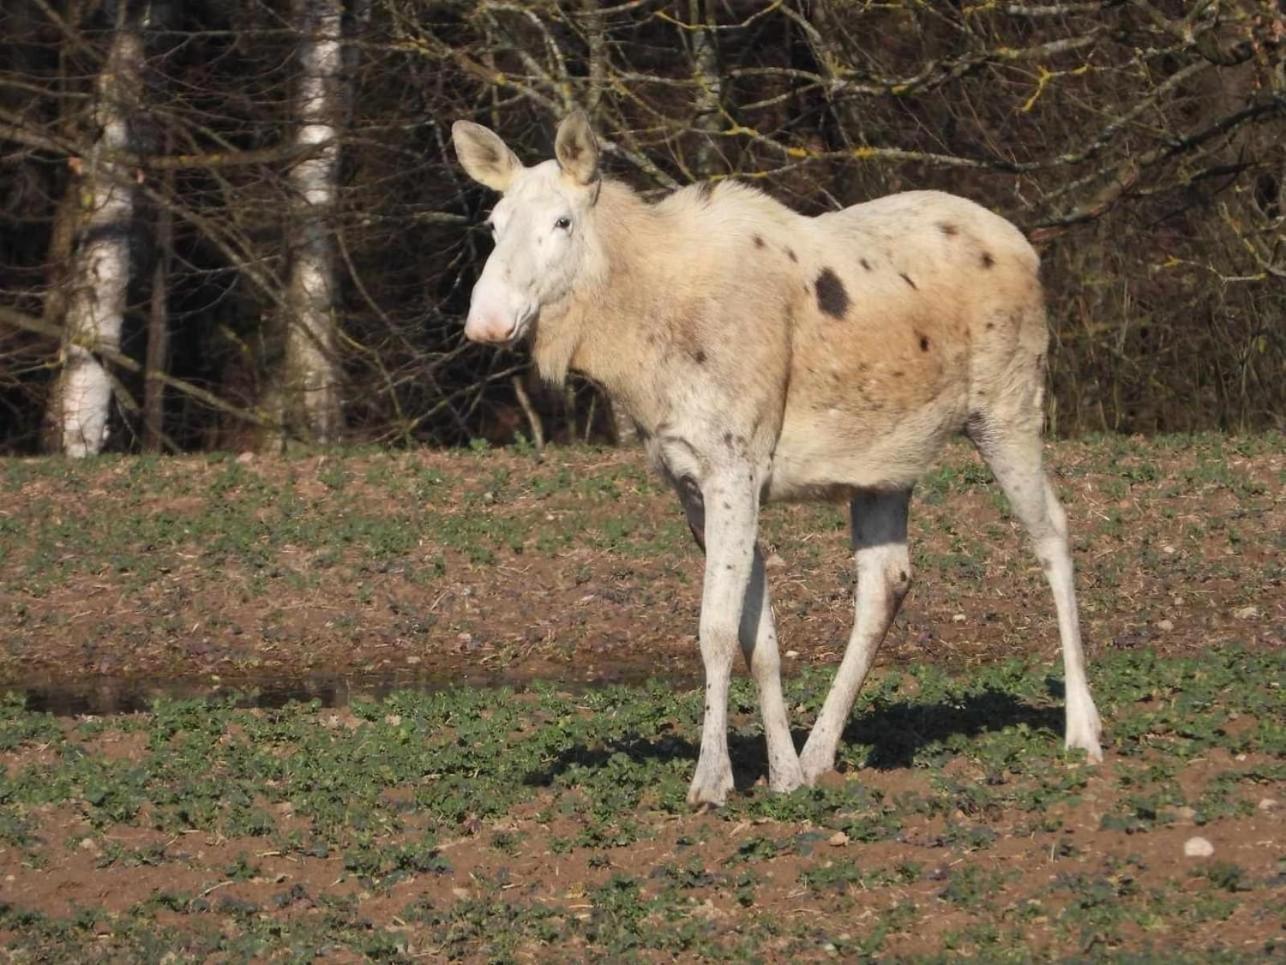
[1198, 847]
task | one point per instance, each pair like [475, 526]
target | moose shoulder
[768, 355]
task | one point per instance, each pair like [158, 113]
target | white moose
[769, 355]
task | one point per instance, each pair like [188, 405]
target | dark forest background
[1141, 144]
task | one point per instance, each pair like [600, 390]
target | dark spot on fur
[898, 373]
[727, 439]
[864, 263]
[759, 242]
[987, 260]
[990, 326]
[699, 356]
[831, 296]
[790, 253]
[948, 229]
[903, 577]
[907, 278]
[924, 343]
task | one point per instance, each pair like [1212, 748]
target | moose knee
[1054, 510]
[718, 633]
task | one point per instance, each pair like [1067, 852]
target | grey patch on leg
[884, 577]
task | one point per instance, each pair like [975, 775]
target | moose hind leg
[1014, 455]
[883, 578]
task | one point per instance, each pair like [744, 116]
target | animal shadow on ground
[898, 731]
[895, 731]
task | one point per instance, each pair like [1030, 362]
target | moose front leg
[731, 500]
[757, 634]
[759, 645]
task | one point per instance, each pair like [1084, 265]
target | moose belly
[826, 451]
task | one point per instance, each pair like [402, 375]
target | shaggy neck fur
[601, 330]
[652, 275]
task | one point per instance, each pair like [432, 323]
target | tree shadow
[896, 732]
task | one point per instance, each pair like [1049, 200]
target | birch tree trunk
[708, 114]
[311, 384]
[100, 267]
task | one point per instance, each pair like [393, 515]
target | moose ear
[576, 149]
[484, 156]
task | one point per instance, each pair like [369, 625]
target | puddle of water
[104, 695]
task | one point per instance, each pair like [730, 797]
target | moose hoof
[1084, 731]
[786, 779]
[710, 790]
[1087, 742]
[815, 766]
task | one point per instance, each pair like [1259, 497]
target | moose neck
[606, 329]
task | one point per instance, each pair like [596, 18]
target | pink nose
[487, 328]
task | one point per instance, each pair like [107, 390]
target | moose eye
[563, 223]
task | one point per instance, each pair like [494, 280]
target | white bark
[312, 332]
[100, 270]
[709, 99]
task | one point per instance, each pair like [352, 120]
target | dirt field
[473, 821]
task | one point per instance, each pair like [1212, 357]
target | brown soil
[1167, 561]
[1024, 862]
[1171, 562]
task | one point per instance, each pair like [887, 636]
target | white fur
[767, 355]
